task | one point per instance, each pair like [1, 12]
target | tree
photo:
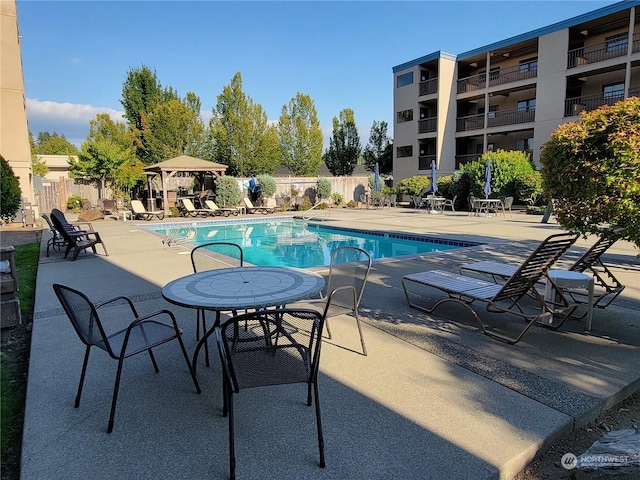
[591, 170]
[175, 128]
[241, 135]
[268, 185]
[51, 144]
[108, 156]
[10, 192]
[300, 136]
[379, 149]
[141, 93]
[344, 147]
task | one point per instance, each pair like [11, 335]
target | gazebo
[183, 163]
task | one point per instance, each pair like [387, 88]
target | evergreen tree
[344, 146]
[379, 149]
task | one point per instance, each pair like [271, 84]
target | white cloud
[68, 119]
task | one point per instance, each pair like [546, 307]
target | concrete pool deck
[433, 399]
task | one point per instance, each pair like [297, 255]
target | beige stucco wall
[14, 132]
[446, 141]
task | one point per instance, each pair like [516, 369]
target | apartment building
[512, 94]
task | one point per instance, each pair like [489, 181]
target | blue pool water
[295, 243]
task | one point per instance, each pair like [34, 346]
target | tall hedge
[591, 169]
[10, 192]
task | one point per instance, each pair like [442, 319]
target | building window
[617, 42]
[404, 79]
[527, 105]
[529, 65]
[613, 91]
[405, 116]
[524, 144]
[405, 151]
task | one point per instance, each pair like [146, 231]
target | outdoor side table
[569, 279]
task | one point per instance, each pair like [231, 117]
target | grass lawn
[15, 364]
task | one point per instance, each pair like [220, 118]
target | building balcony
[424, 161]
[634, 92]
[511, 117]
[427, 125]
[429, 86]
[635, 47]
[573, 106]
[499, 76]
[600, 52]
[464, 159]
[471, 122]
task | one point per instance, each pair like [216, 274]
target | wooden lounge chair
[225, 211]
[505, 298]
[590, 262]
[77, 240]
[188, 209]
[140, 212]
[252, 209]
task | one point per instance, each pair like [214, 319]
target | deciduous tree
[242, 137]
[300, 136]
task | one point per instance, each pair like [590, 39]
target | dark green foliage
[379, 149]
[10, 192]
[344, 149]
[47, 143]
[591, 170]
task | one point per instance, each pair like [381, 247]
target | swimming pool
[296, 243]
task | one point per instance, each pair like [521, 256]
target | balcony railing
[511, 117]
[472, 122]
[635, 46]
[429, 86]
[427, 125]
[573, 106]
[634, 92]
[598, 52]
[424, 161]
[513, 74]
[471, 83]
[463, 159]
[499, 76]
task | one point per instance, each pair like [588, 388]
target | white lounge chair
[225, 211]
[140, 212]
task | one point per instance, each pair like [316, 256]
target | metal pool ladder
[180, 234]
[314, 212]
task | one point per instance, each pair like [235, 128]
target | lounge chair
[140, 212]
[57, 241]
[590, 262]
[252, 209]
[77, 240]
[188, 209]
[225, 211]
[505, 298]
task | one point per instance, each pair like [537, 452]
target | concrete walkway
[434, 399]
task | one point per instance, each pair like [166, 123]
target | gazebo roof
[185, 163]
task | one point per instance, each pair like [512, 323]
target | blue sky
[76, 54]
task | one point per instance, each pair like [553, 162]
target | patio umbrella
[487, 178]
[434, 182]
[376, 181]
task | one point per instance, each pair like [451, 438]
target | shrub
[267, 184]
[413, 185]
[591, 168]
[337, 198]
[228, 191]
[323, 188]
[10, 192]
[74, 203]
[306, 203]
[507, 167]
[352, 204]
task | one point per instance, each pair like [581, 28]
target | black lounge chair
[76, 240]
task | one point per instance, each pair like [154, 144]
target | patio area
[433, 399]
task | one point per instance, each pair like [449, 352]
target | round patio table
[240, 288]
